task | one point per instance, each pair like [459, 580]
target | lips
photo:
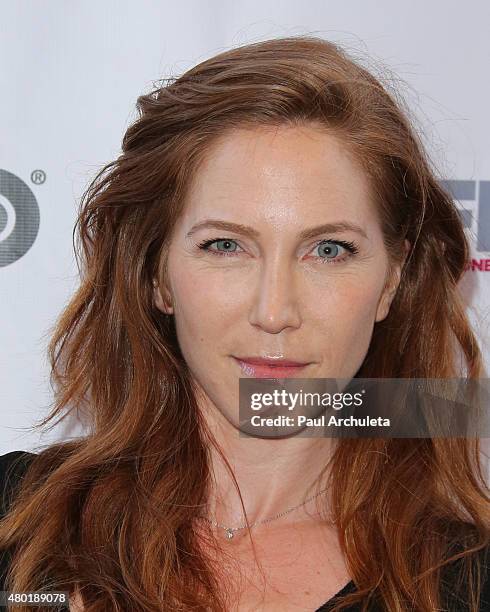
[260, 367]
[272, 361]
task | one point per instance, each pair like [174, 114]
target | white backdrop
[70, 73]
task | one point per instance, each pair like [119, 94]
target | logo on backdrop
[19, 217]
[477, 193]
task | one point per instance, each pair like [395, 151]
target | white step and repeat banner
[70, 73]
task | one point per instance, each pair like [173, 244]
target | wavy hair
[112, 512]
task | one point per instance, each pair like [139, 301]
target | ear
[391, 287]
[162, 299]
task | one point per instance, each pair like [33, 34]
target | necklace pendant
[229, 533]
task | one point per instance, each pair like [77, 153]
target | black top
[13, 465]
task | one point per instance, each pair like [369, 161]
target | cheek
[344, 321]
[203, 315]
[347, 300]
[204, 307]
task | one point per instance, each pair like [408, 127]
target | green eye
[229, 246]
[226, 244]
[330, 250]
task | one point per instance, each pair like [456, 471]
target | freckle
[307, 592]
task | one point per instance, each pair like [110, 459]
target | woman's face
[247, 276]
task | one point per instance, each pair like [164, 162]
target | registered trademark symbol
[38, 177]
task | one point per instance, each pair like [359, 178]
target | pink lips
[258, 367]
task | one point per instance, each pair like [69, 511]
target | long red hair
[113, 512]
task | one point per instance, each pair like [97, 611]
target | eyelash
[351, 247]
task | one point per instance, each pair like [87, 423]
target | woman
[271, 206]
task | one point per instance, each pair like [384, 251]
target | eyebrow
[238, 228]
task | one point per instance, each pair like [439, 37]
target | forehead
[281, 174]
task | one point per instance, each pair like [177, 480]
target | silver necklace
[230, 531]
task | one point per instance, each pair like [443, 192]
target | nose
[275, 306]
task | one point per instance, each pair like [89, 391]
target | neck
[273, 475]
